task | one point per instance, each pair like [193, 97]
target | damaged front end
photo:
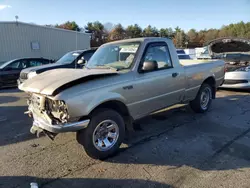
[51, 116]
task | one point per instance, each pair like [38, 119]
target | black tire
[85, 136]
[196, 104]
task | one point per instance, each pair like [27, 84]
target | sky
[187, 14]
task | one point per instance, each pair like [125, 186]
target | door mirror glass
[149, 66]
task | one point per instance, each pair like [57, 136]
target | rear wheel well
[211, 81]
[119, 107]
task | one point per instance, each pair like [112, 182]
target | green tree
[150, 31]
[211, 34]
[192, 35]
[69, 26]
[98, 34]
[177, 30]
[163, 32]
[180, 39]
[134, 31]
[117, 33]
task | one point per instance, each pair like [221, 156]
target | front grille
[24, 76]
[231, 82]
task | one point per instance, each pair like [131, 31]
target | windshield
[3, 64]
[68, 58]
[118, 56]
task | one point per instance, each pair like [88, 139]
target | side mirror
[81, 61]
[149, 66]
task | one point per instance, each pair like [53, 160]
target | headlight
[31, 75]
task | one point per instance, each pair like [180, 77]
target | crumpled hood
[43, 68]
[50, 82]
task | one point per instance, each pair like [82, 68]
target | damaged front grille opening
[54, 111]
[57, 111]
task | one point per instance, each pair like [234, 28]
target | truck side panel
[196, 74]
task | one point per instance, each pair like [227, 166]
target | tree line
[192, 38]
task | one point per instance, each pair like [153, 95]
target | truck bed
[197, 70]
[188, 62]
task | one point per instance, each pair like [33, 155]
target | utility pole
[16, 17]
[76, 49]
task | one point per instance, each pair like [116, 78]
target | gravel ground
[173, 148]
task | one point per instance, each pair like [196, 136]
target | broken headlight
[58, 110]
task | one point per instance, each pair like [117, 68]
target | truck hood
[43, 68]
[230, 49]
[54, 81]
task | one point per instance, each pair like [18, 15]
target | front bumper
[19, 82]
[59, 128]
[236, 86]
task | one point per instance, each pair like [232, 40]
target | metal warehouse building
[19, 39]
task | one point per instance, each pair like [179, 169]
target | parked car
[101, 101]
[180, 51]
[10, 70]
[74, 59]
[238, 79]
[183, 56]
[235, 51]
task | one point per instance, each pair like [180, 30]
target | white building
[19, 39]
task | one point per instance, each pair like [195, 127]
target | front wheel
[203, 99]
[104, 135]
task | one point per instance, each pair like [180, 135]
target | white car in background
[238, 79]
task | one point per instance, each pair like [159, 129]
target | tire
[197, 104]
[102, 119]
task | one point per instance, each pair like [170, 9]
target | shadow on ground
[8, 99]
[195, 140]
[14, 125]
[10, 90]
[24, 182]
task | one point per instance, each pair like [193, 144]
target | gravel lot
[174, 148]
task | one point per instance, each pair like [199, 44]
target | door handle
[175, 74]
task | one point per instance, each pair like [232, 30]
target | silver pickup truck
[122, 82]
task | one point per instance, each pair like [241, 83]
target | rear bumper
[59, 128]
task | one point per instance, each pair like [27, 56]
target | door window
[88, 55]
[34, 63]
[24, 64]
[160, 54]
[13, 65]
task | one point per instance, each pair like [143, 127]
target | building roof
[42, 26]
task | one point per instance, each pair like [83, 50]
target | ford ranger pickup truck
[122, 82]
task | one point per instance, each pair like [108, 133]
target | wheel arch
[211, 81]
[118, 106]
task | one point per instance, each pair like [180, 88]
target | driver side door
[11, 73]
[158, 88]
